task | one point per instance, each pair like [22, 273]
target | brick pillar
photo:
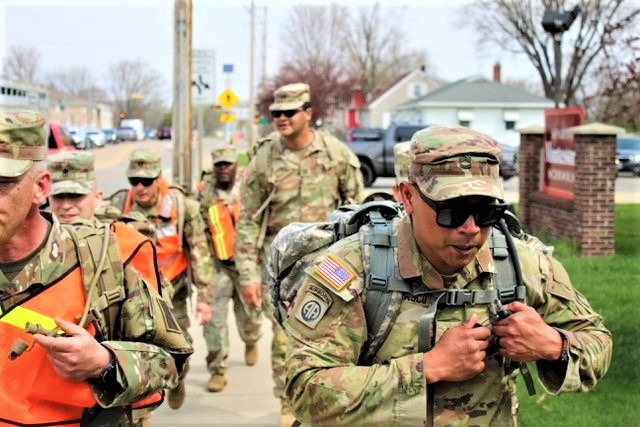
[588, 219]
[595, 187]
[529, 160]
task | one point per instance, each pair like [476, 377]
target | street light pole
[557, 40]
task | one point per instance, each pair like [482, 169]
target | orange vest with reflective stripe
[31, 392]
[172, 260]
[222, 226]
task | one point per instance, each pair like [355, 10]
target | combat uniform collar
[53, 260]
[414, 266]
[316, 145]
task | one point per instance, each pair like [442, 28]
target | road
[247, 400]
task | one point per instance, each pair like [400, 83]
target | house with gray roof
[477, 102]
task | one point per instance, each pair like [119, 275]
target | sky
[98, 33]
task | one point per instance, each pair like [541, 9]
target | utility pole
[263, 78]
[182, 171]
[252, 102]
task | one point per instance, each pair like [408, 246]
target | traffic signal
[256, 119]
[122, 115]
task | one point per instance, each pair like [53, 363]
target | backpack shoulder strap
[177, 194]
[384, 287]
[102, 275]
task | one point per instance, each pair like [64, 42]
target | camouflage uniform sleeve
[248, 229]
[199, 254]
[116, 200]
[351, 182]
[151, 350]
[550, 291]
[325, 386]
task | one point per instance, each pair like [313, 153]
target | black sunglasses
[287, 113]
[146, 182]
[454, 215]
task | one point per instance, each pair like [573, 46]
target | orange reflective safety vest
[136, 249]
[32, 393]
[222, 226]
[172, 260]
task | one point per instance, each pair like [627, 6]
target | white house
[411, 86]
[486, 105]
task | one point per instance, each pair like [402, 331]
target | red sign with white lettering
[559, 151]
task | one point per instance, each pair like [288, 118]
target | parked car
[164, 133]
[95, 138]
[125, 133]
[628, 153]
[59, 139]
[110, 136]
[364, 134]
[376, 155]
[508, 161]
[150, 133]
[78, 137]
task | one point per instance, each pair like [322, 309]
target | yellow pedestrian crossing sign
[228, 99]
[227, 118]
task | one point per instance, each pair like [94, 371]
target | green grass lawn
[611, 284]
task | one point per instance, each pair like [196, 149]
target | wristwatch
[107, 378]
[564, 353]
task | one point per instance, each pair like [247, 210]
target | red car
[59, 139]
[164, 133]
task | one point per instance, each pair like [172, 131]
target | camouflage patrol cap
[225, 153]
[402, 160]
[22, 140]
[290, 97]
[455, 161]
[72, 172]
[144, 164]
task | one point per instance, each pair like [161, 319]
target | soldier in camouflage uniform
[453, 196]
[90, 369]
[220, 205]
[183, 255]
[297, 174]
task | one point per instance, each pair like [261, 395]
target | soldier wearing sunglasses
[297, 174]
[452, 198]
[181, 245]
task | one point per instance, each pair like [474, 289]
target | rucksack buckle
[377, 283]
[459, 297]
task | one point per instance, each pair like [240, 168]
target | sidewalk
[247, 400]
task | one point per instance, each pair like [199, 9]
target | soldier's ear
[406, 193]
[42, 186]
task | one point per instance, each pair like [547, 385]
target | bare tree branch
[515, 26]
[21, 63]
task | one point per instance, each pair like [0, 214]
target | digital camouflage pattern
[148, 346]
[326, 387]
[144, 163]
[455, 161]
[402, 160]
[21, 141]
[227, 287]
[290, 97]
[72, 172]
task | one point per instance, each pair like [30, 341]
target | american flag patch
[334, 272]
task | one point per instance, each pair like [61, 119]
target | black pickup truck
[374, 148]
